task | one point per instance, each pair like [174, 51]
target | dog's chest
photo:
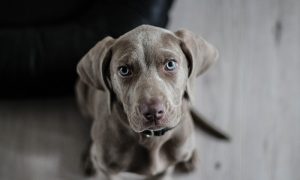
[153, 160]
[125, 152]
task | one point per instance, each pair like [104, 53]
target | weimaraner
[137, 89]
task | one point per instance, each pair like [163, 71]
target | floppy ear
[93, 68]
[199, 53]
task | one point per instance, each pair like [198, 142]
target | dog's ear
[199, 53]
[93, 68]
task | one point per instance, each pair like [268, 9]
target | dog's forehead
[145, 32]
[145, 38]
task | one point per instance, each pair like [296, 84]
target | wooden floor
[253, 93]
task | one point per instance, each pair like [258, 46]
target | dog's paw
[189, 165]
[88, 168]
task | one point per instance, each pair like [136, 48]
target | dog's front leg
[190, 164]
[166, 175]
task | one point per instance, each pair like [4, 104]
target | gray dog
[137, 89]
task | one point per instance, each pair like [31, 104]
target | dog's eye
[125, 71]
[170, 65]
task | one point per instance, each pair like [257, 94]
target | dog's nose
[152, 110]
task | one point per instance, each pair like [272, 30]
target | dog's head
[150, 71]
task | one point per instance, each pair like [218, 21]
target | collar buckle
[150, 133]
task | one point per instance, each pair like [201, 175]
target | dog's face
[148, 73]
[149, 70]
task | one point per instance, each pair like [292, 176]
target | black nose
[152, 110]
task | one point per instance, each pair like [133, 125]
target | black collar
[150, 133]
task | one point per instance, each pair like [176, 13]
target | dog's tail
[205, 125]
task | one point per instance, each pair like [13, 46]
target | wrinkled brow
[127, 58]
[168, 52]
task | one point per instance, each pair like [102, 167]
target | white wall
[253, 92]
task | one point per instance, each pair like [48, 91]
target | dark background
[42, 41]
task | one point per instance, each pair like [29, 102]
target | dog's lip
[156, 128]
[153, 129]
